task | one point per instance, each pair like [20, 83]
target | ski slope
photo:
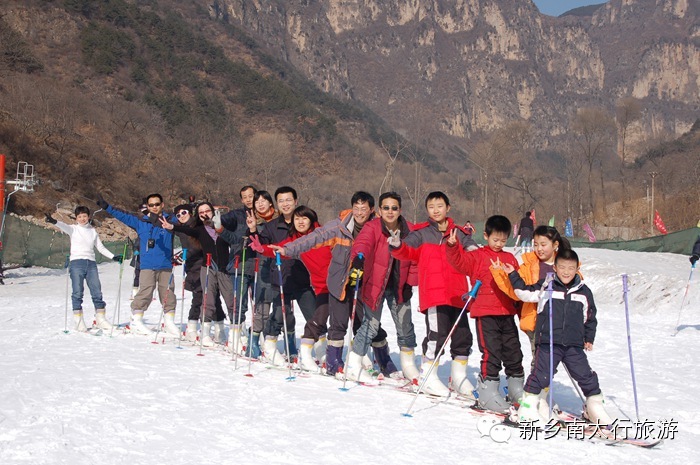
[82, 399]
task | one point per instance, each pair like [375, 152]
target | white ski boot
[100, 320]
[170, 327]
[458, 377]
[355, 371]
[137, 326]
[515, 389]
[529, 410]
[407, 359]
[238, 336]
[320, 349]
[595, 410]
[307, 360]
[273, 356]
[219, 332]
[191, 331]
[79, 323]
[367, 362]
[433, 386]
[206, 340]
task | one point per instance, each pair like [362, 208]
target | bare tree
[392, 153]
[627, 111]
[593, 129]
[268, 155]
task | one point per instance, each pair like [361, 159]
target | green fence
[677, 242]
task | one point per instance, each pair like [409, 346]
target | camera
[151, 243]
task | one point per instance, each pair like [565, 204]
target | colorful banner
[589, 231]
[568, 228]
[659, 223]
[532, 215]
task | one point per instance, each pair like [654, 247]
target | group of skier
[343, 273]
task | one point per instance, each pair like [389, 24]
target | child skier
[573, 332]
[83, 267]
[494, 313]
[440, 297]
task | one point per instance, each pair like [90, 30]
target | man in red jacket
[384, 279]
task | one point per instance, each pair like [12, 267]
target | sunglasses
[182, 213]
[393, 208]
[153, 205]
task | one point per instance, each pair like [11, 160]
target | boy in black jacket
[573, 331]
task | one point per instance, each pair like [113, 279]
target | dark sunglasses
[393, 208]
[182, 213]
[153, 205]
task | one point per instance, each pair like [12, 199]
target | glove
[101, 202]
[355, 277]
[118, 258]
[217, 219]
[407, 293]
[358, 263]
[52, 221]
[394, 239]
[693, 259]
[256, 245]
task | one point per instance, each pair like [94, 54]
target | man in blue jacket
[156, 246]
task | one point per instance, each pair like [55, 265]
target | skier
[218, 282]
[156, 260]
[316, 262]
[574, 327]
[235, 222]
[83, 267]
[193, 266]
[525, 230]
[494, 313]
[339, 234]
[384, 279]
[440, 297]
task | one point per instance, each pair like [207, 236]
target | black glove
[358, 263]
[118, 258]
[52, 221]
[101, 202]
[407, 293]
[693, 259]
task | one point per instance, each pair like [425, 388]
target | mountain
[454, 68]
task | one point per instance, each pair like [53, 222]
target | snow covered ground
[79, 399]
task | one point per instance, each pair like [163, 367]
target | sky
[557, 7]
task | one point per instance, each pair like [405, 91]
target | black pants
[499, 345]
[340, 312]
[317, 326]
[439, 321]
[575, 360]
[193, 283]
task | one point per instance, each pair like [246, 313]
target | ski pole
[685, 294]
[625, 291]
[278, 259]
[231, 315]
[165, 302]
[255, 308]
[118, 302]
[66, 265]
[182, 300]
[578, 389]
[471, 296]
[237, 337]
[204, 304]
[352, 324]
[550, 278]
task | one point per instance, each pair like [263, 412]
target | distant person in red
[469, 228]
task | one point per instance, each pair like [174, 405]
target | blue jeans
[400, 312]
[85, 270]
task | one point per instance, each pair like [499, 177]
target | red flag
[532, 215]
[659, 223]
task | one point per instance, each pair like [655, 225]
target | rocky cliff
[456, 67]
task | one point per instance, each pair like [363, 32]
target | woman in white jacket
[83, 267]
